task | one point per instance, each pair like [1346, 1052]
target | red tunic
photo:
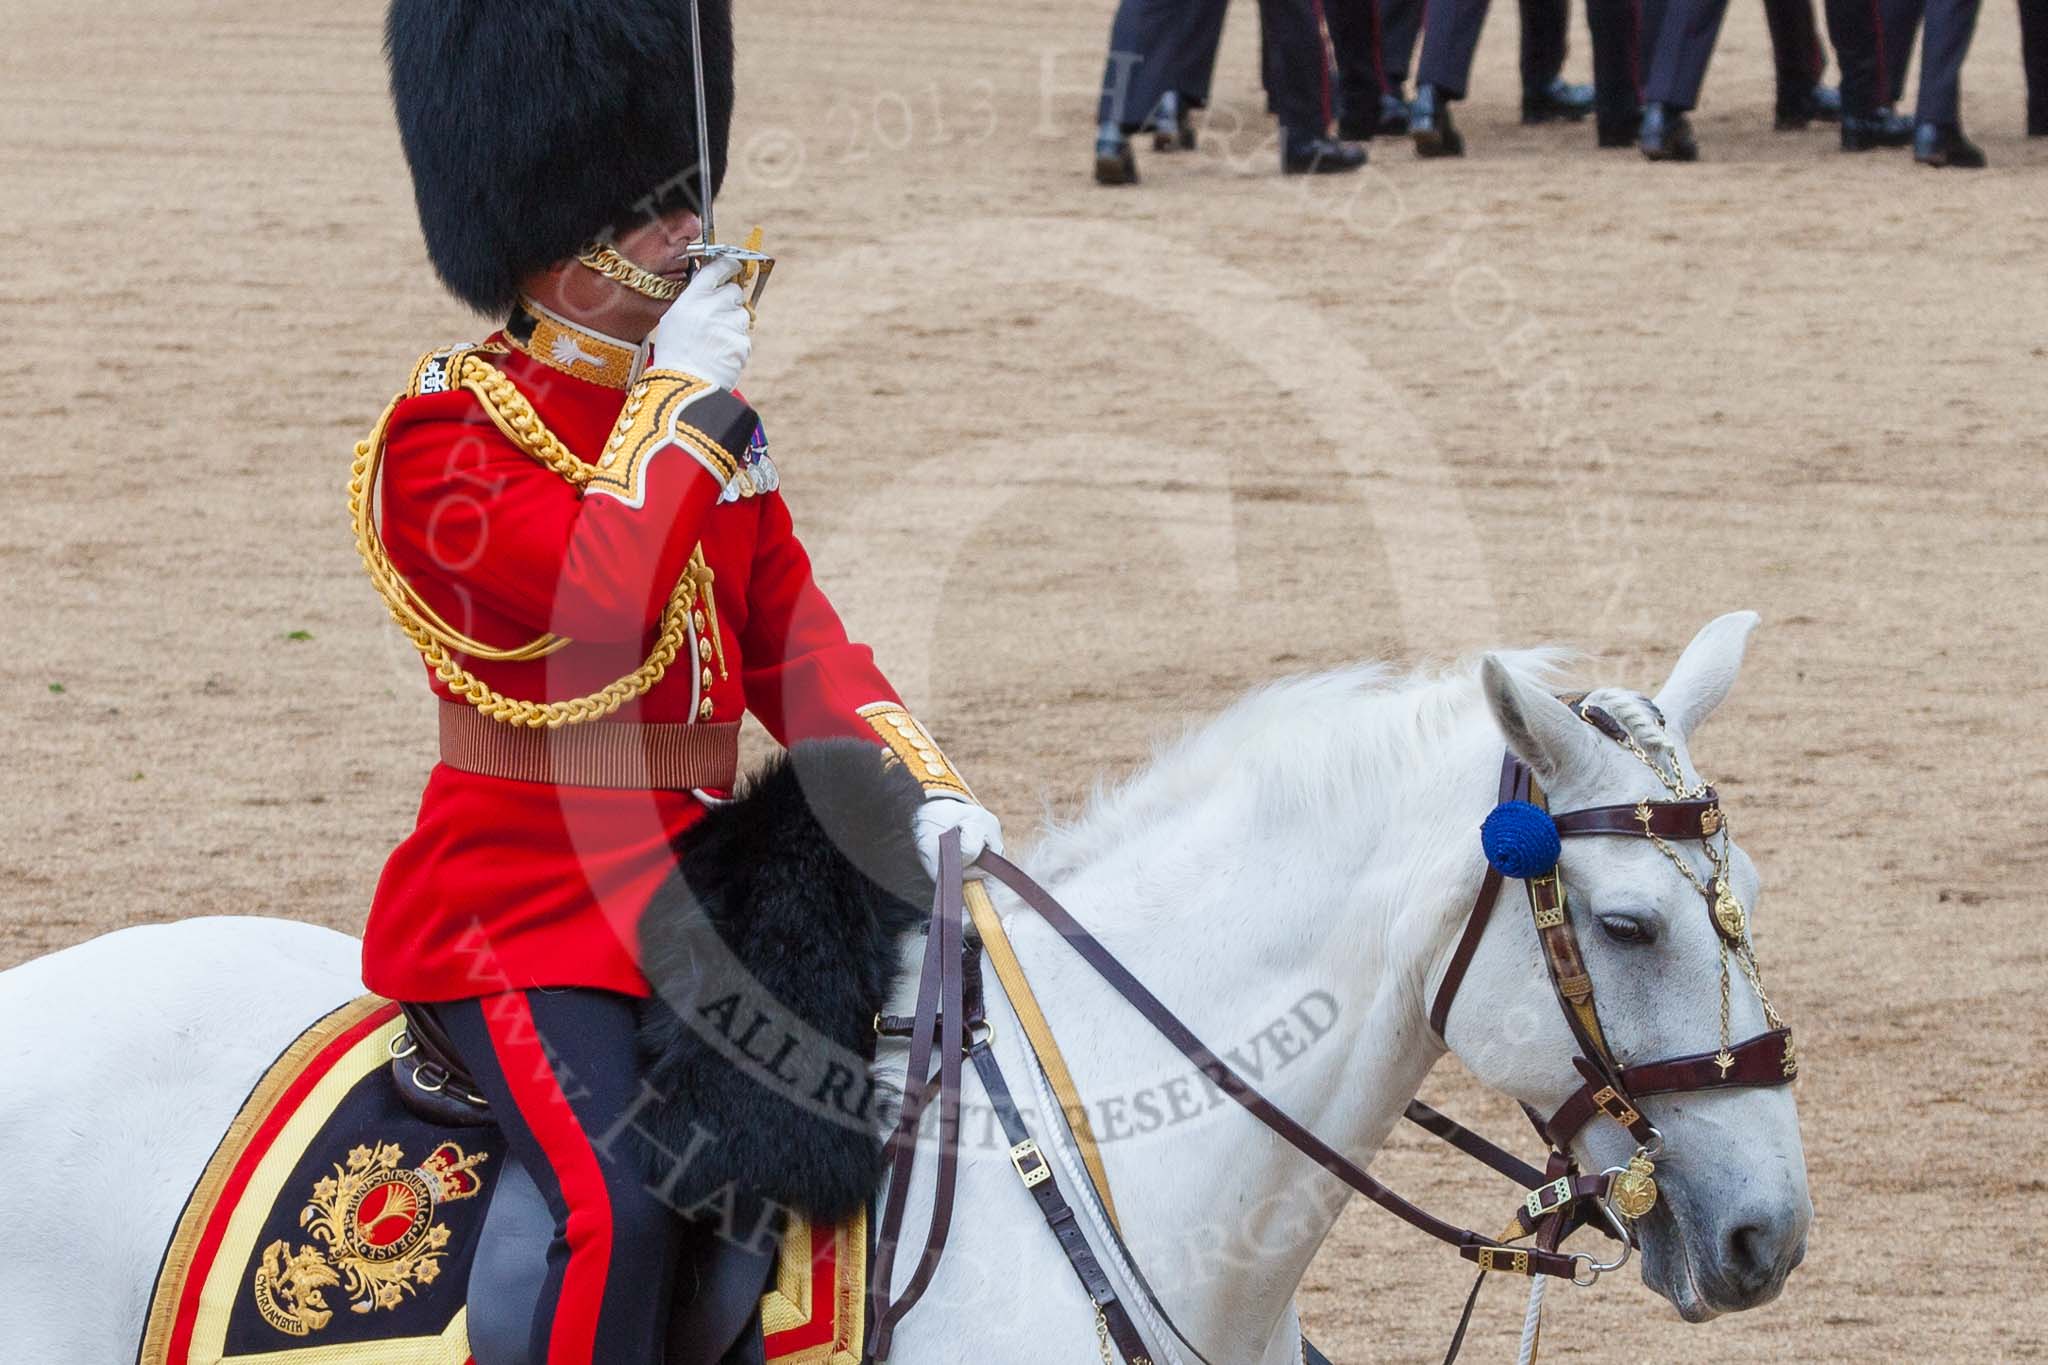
[507, 884]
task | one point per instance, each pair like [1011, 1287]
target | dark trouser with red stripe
[1294, 65]
[1796, 50]
[560, 1070]
[1355, 38]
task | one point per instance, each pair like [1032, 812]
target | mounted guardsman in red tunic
[577, 522]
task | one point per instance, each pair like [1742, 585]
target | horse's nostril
[1751, 1256]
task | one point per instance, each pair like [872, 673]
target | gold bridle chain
[1674, 781]
[1745, 953]
[607, 261]
[433, 637]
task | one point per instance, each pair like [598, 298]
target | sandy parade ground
[1084, 463]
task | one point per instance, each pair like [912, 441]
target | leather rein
[951, 1022]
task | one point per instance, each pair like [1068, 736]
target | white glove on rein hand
[979, 830]
[704, 333]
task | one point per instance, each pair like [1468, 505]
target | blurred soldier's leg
[1686, 33]
[1616, 29]
[1938, 136]
[2034, 50]
[1298, 88]
[1154, 46]
[1400, 26]
[1450, 35]
[1355, 37]
[1797, 57]
[1861, 34]
[1684, 44]
[1901, 19]
[1546, 96]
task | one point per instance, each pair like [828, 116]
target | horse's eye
[1627, 929]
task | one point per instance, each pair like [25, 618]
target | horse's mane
[1310, 734]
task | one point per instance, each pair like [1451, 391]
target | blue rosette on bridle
[1521, 840]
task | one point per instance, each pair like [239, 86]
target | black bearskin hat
[534, 126]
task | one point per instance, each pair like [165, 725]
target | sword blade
[706, 235]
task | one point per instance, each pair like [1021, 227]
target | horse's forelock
[1636, 714]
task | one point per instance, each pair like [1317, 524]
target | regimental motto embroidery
[378, 1240]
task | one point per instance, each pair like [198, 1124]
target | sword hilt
[755, 264]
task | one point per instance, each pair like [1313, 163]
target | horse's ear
[1540, 729]
[1706, 671]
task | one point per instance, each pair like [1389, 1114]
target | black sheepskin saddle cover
[770, 952]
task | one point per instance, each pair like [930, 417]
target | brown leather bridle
[950, 1021]
[1608, 1089]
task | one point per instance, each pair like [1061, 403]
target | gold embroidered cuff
[912, 745]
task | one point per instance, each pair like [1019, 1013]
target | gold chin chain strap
[606, 261]
[432, 636]
[1730, 920]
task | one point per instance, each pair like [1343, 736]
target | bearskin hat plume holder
[534, 127]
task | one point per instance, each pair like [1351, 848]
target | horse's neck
[1298, 949]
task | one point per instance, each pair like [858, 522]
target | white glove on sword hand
[979, 830]
[705, 333]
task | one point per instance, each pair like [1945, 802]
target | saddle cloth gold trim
[811, 1310]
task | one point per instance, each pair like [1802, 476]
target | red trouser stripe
[509, 1019]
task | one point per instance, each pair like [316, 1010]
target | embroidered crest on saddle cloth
[375, 1235]
[335, 1227]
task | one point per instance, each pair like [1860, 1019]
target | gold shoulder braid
[436, 640]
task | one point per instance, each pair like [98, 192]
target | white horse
[1290, 879]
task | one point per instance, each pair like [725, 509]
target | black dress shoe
[1302, 154]
[1387, 117]
[1884, 128]
[1429, 124]
[1794, 112]
[1667, 134]
[1936, 144]
[1115, 162]
[1620, 130]
[1394, 114]
[1798, 109]
[1827, 104]
[1560, 101]
[1172, 129]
